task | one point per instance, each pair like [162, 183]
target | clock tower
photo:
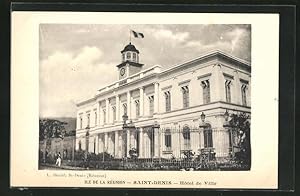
[130, 62]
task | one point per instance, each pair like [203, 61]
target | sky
[78, 59]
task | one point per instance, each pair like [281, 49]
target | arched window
[168, 101]
[104, 116]
[186, 138]
[114, 113]
[123, 57]
[124, 108]
[208, 140]
[227, 90]
[88, 120]
[134, 57]
[151, 104]
[128, 55]
[80, 122]
[185, 96]
[96, 118]
[168, 139]
[244, 94]
[206, 91]
[137, 108]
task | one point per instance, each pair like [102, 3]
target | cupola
[130, 53]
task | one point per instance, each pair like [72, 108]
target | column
[109, 144]
[121, 143]
[105, 142]
[117, 108]
[128, 142]
[141, 144]
[216, 135]
[128, 105]
[97, 144]
[156, 142]
[107, 110]
[161, 142]
[226, 147]
[142, 101]
[100, 144]
[200, 139]
[146, 145]
[133, 139]
[194, 140]
[116, 144]
[156, 100]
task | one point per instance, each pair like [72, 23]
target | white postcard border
[25, 98]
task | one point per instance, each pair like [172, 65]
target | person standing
[58, 160]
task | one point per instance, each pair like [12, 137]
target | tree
[51, 128]
[133, 153]
[188, 154]
[240, 124]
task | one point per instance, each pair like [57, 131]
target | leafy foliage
[240, 124]
[51, 128]
[188, 154]
[133, 153]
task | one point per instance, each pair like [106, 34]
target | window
[128, 55]
[208, 140]
[168, 140]
[244, 94]
[114, 113]
[95, 118]
[123, 56]
[137, 108]
[168, 101]
[151, 105]
[185, 96]
[124, 108]
[206, 91]
[134, 56]
[104, 116]
[227, 90]
[186, 138]
[80, 122]
[88, 120]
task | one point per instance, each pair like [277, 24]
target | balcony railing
[142, 74]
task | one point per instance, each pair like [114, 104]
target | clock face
[122, 71]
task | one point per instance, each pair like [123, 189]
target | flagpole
[130, 36]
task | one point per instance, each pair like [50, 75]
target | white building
[164, 107]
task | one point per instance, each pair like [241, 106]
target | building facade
[164, 107]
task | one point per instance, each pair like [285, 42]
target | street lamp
[127, 126]
[202, 126]
[125, 118]
[202, 116]
[226, 115]
[87, 135]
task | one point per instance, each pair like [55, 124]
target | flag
[137, 34]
